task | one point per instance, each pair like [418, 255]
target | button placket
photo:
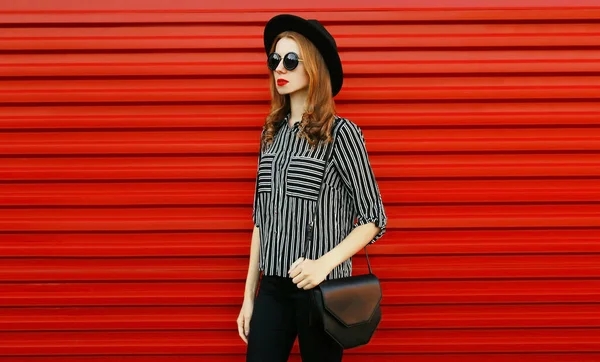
[281, 165]
[275, 194]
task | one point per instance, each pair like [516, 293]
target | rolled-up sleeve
[351, 157]
[255, 203]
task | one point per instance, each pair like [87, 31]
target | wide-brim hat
[314, 31]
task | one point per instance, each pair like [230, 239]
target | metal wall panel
[128, 139]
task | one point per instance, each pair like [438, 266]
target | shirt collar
[285, 123]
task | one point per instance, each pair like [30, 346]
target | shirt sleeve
[351, 157]
[255, 211]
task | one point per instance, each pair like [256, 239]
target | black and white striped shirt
[287, 187]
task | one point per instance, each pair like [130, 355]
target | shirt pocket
[304, 177]
[265, 172]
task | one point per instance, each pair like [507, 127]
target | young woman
[305, 75]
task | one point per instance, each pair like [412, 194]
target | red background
[128, 140]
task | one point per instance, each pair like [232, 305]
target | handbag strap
[312, 223]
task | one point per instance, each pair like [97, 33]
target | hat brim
[288, 22]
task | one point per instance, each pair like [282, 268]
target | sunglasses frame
[283, 59]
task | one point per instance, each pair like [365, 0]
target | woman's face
[297, 79]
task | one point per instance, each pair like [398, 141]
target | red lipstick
[281, 82]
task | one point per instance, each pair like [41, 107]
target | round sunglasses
[290, 61]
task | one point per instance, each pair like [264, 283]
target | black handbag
[348, 307]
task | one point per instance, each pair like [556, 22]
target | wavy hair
[318, 118]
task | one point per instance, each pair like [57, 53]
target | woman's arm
[243, 319]
[253, 272]
[252, 277]
[357, 239]
[312, 272]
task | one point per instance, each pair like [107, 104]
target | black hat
[314, 31]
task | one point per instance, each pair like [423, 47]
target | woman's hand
[243, 320]
[308, 273]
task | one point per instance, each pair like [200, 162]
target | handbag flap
[352, 300]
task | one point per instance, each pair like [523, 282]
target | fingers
[295, 272]
[298, 279]
[294, 265]
[305, 284]
[247, 327]
[241, 332]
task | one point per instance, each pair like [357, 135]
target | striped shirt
[286, 189]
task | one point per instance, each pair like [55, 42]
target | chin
[282, 92]
[288, 91]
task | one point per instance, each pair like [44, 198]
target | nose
[280, 68]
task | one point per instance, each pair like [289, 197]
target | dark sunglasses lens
[273, 61]
[290, 62]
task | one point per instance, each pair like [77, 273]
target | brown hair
[317, 121]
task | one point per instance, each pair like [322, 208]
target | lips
[282, 82]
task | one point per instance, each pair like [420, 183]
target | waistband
[283, 284]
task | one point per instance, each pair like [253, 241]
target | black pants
[281, 312]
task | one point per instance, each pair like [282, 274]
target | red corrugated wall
[128, 140]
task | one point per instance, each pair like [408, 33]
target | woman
[305, 75]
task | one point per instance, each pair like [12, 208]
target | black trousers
[281, 312]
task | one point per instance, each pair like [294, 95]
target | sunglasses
[290, 61]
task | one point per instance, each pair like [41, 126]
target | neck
[298, 101]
